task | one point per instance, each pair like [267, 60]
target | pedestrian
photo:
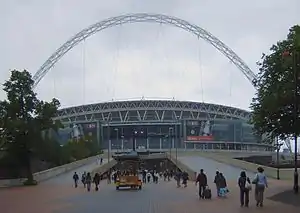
[83, 177]
[148, 177]
[156, 176]
[88, 181]
[260, 181]
[217, 182]
[245, 187]
[75, 179]
[178, 176]
[144, 173]
[96, 180]
[185, 178]
[223, 185]
[202, 181]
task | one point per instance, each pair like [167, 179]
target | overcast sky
[141, 59]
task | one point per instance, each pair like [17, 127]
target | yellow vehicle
[128, 172]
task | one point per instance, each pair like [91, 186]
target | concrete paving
[66, 178]
[58, 196]
[210, 167]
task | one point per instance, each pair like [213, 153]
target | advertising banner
[87, 131]
[199, 131]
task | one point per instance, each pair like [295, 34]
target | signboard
[87, 131]
[199, 131]
[200, 138]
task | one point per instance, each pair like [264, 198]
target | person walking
[202, 181]
[148, 177]
[83, 177]
[217, 182]
[223, 186]
[96, 181]
[178, 176]
[260, 181]
[245, 187]
[88, 181]
[185, 178]
[75, 179]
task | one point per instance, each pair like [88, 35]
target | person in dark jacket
[185, 178]
[223, 186]
[202, 181]
[244, 184]
[88, 181]
[217, 182]
[96, 180]
[178, 176]
[75, 178]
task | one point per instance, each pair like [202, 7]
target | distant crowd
[181, 178]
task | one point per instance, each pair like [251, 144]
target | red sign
[200, 138]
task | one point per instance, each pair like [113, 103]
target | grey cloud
[141, 59]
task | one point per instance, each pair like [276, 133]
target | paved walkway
[54, 196]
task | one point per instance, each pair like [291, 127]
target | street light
[176, 139]
[109, 141]
[122, 142]
[135, 133]
[295, 65]
[117, 130]
[278, 145]
[170, 139]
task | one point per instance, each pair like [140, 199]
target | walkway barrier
[49, 173]
[104, 168]
[285, 174]
[183, 167]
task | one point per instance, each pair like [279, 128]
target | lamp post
[170, 140]
[134, 140]
[295, 66]
[117, 130]
[142, 136]
[122, 142]
[109, 142]
[278, 145]
[176, 139]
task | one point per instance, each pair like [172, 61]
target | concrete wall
[104, 168]
[285, 174]
[183, 167]
[49, 173]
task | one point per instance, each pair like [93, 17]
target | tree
[273, 105]
[24, 117]
[78, 149]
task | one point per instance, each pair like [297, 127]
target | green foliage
[82, 148]
[23, 117]
[273, 104]
[25, 126]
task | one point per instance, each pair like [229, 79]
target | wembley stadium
[161, 124]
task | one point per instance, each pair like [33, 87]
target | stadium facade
[161, 124]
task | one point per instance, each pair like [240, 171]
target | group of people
[244, 183]
[260, 182]
[204, 190]
[87, 180]
[148, 175]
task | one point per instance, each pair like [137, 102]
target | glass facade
[220, 130]
[189, 134]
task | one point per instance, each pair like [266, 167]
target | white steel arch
[144, 17]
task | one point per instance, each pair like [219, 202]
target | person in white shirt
[260, 181]
[148, 177]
